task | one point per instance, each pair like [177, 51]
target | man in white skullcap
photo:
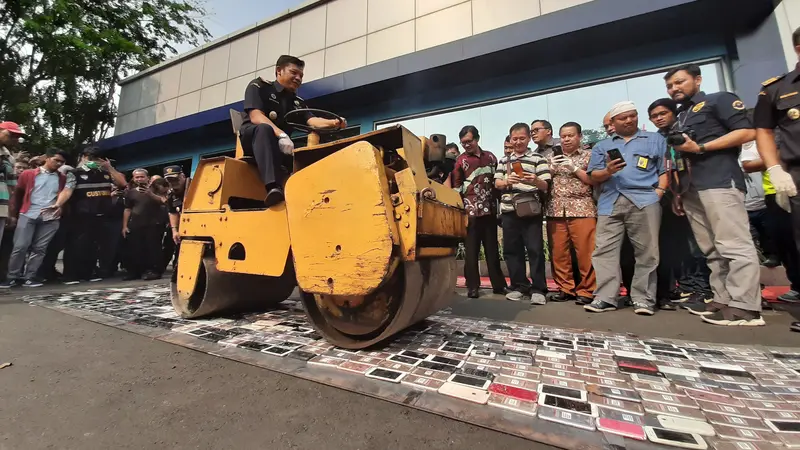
[629, 170]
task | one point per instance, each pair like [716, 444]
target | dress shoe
[473, 293]
[560, 297]
[502, 291]
[274, 197]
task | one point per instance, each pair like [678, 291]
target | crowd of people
[103, 223]
[673, 216]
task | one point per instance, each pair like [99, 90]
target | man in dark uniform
[172, 241]
[89, 236]
[779, 107]
[265, 134]
[714, 127]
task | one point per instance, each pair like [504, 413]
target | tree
[61, 60]
[592, 136]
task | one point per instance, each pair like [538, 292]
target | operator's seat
[237, 118]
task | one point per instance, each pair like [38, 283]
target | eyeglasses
[536, 130]
[467, 143]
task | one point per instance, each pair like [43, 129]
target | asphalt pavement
[77, 384]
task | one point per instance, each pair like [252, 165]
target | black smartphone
[572, 405]
[615, 154]
[557, 151]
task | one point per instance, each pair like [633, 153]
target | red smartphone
[619, 428]
[642, 367]
[517, 167]
[513, 391]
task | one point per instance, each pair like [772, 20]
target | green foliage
[594, 135]
[61, 60]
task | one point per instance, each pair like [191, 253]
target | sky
[227, 16]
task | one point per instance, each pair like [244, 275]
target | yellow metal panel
[340, 222]
[442, 220]
[264, 234]
[190, 260]
[406, 213]
[216, 180]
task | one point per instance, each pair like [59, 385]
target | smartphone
[483, 354]
[380, 373]
[655, 388]
[615, 154]
[560, 382]
[477, 372]
[428, 373]
[430, 384]
[430, 365]
[463, 392]
[675, 438]
[741, 445]
[516, 166]
[513, 404]
[618, 405]
[672, 410]
[458, 350]
[550, 354]
[728, 410]
[411, 354]
[277, 351]
[573, 419]
[251, 345]
[779, 415]
[301, 355]
[568, 404]
[355, 367]
[621, 394]
[557, 151]
[466, 380]
[326, 361]
[736, 422]
[643, 367]
[686, 425]
[740, 434]
[784, 426]
[457, 363]
[484, 362]
[404, 360]
[515, 392]
[516, 382]
[669, 399]
[557, 391]
[649, 379]
[790, 440]
[620, 428]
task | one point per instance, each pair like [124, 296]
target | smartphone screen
[791, 427]
[674, 436]
[517, 167]
[411, 354]
[469, 381]
[615, 154]
[384, 373]
[572, 405]
[403, 359]
[557, 151]
[561, 391]
[436, 366]
[448, 361]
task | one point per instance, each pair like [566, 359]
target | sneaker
[560, 297]
[584, 300]
[790, 297]
[643, 309]
[538, 299]
[8, 284]
[95, 279]
[599, 306]
[771, 263]
[32, 284]
[702, 309]
[624, 301]
[679, 296]
[666, 305]
[735, 317]
[795, 326]
[514, 296]
[71, 282]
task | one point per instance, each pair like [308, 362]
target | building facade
[437, 65]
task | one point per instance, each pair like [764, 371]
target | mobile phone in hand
[615, 154]
[517, 167]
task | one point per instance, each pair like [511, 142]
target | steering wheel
[300, 113]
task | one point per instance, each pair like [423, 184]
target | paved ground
[76, 384]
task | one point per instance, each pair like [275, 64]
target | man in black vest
[89, 238]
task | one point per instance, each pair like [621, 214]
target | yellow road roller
[369, 240]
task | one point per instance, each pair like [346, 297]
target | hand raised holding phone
[614, 161]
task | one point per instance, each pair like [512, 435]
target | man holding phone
[523, 176]
[629, 168]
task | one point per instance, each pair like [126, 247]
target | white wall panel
[444, 26]
[308, 32]
[188, 104]
[169, 83]
[166, 111]
[145, 117]
[192, 75]
[243, 57]
[212, 97]
[124, 124]
[129, 97]
[428, 6]
[390, 43]
[346, 20]
[386, 13]
[234, 91]
[491, 14]
[348, 56]
[549, 6]
[149, 94]
[273, 42]
[215, 67]
[267, 74]
[315, 66]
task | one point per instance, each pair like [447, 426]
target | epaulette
[773, 80]
[299, 98]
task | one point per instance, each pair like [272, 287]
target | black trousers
[627, 263]
[167, 249]
[779, 226]
[144, 243]
[523, 237]
[88, 243]
[482, 230]
[673, 241]
[260, 142]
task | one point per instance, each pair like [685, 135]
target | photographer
[710, 132]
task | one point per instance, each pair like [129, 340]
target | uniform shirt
[778, 107]
[92, 194]
[712, 116]
[531, 163]
[473, 178]
[145, 210]
[569, 196]
[754, 196]
[275, 101]
[644, 155]
[175, 203]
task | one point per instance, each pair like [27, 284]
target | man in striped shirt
[523, 233]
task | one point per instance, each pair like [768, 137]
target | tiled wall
[332, 38]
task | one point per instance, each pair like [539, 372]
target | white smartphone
[550, 354]
[568, 404]
[649, 379]
[675, 438]
[686, 425]
[669, 370]
[472, 382]
[379, 373]
[463, 392]
[564, 417]
[784, 426]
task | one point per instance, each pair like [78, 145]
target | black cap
[172, 171]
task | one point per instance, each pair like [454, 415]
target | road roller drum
[367, 238]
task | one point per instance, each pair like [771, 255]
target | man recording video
[710, 131]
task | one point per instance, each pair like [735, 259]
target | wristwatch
[702, 149]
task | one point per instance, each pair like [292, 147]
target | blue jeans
[31, 235]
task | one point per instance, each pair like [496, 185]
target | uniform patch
[772, 80]
[793, 113]
[106, 177]
[738, 105]
[791, 94]
[272, 96]
[642, 162]
[698, 107]
[762, 93]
